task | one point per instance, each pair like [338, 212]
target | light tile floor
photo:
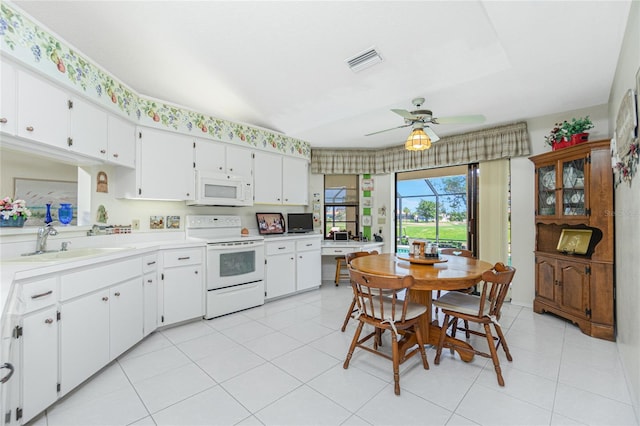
[281, 364]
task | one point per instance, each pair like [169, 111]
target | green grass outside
[448, 230]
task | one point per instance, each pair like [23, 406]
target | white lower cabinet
[292, 264]
[182, 285]
[39, 361]
[74, 322]
[84, 338]
[308, 263]
[280, 268]
[100, 317]
[150, 294]
[125, 316]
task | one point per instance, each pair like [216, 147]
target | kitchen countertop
[13, 271]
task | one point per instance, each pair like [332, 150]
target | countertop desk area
[337, 248]
[456, 273]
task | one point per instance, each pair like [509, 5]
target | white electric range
[235, 263]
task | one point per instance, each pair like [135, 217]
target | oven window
[237, 263]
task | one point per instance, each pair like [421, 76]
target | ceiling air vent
[364, 60]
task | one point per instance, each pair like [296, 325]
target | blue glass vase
[47, 216]
[65, 213]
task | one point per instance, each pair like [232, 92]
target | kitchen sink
[65, 255]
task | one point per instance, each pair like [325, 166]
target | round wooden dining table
[453, 273]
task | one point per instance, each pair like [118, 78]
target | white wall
[627, 219]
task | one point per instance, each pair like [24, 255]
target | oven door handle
[234, 288]
[239, 247]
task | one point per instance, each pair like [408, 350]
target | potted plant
[13, 213]
[569, 133]
[576, 129]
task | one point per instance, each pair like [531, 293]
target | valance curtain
[489, 144]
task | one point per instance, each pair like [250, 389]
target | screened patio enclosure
[432, 205]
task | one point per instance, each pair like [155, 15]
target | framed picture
[37, 193]
[367, 202]
[366, 220]
[638, 101]
[367, 184]
[270, 223]
[173, 222]
[156, 222]
[574, 241]
[626, 123]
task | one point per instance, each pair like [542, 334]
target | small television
[299, 222]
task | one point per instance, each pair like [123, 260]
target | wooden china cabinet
[574, 191]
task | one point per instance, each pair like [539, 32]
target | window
[341, 204]
[437, 205]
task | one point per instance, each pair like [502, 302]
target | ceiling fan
[422, 135]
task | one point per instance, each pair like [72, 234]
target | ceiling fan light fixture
[418, 140]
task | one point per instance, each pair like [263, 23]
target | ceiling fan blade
[460, 119]
[386, 130]
[432, 135]
[405, 114]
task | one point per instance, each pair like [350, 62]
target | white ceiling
[281, 64]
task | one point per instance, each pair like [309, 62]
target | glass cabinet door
[547, 191]
[573, 191]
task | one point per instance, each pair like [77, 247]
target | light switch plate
[135, 224]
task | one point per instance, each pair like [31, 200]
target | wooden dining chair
[352, 309]
[379, 306]
[483, 309]
[456, 252]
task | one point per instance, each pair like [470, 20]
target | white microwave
[220, 189]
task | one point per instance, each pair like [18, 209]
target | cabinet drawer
[280, 247]
[310, 244]
[149, 263]
[88, 280]
[38, 294]
[337, 251]
[182, 257]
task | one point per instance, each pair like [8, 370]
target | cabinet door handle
[103, 151]
[48, 321]
[115, 155]
[184, 258]
[151, 263]
[105, 298]
[149, 281]
[196, 272]
[309, 245]
[46, 293]
[117, 293]
[3, 120]
[8, 376]
[29, 128]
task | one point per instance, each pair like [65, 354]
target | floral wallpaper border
[27, 42]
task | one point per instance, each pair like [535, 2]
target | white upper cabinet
[87, 129]
[217, 157]
[8, 98]
[280, 179]
[267, 183]
[43, 111]
[164, 168]
[295, 181]
[121, 144]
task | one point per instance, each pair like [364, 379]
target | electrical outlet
[135, 224]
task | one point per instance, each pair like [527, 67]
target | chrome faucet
[43, 233]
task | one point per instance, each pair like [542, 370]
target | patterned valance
[483, 145]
